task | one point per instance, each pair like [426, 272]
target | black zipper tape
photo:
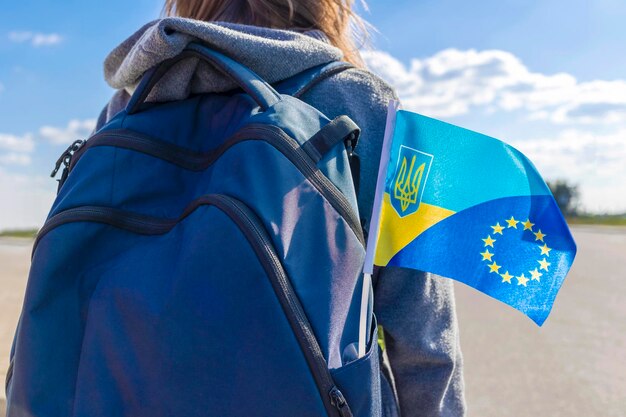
[197, 161]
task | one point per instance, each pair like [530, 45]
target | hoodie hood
[273, 54]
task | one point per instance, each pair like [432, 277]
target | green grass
[618, 220]
[25, 233]
[381, 337]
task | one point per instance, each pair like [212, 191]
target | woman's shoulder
[361, 85]
[356, 92]
[366, 78]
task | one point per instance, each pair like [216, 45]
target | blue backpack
[203, 258]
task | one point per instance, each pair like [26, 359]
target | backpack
[203, 257]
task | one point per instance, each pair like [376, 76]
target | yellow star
[545, 250]
[494, 267]
[489, 241]
[512, 222]
[506, 277]
[539, 235]
[544, 264]
[522, 280]
[497, 228]
[486, 255]
[535, 274]
[528, 225]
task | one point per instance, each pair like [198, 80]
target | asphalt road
[575, 365]
[14, 264]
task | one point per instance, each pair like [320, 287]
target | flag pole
[374, 226]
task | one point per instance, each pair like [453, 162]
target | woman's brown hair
[336, 18]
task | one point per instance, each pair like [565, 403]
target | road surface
[575, 365]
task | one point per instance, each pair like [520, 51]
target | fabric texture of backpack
[203, 258]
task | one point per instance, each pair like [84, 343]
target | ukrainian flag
[472, 208]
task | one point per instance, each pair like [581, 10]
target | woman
[278, 39]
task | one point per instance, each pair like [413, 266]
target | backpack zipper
[196, 161]
[339, 402]
[66, 159]
[334, 401]
[291, 306]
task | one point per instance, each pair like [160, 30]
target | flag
[472, 208]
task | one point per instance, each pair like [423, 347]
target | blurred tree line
[567, 196]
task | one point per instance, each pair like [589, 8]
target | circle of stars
[522, 279]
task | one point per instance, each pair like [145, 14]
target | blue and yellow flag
[470, 207]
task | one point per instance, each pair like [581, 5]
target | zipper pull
[339, 402]
[349, 145]
[66, 157]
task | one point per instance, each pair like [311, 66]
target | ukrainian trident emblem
[409, 180]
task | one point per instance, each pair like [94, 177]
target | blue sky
[577, 36]
[547, 76]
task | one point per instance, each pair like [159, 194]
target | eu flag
[472, 208]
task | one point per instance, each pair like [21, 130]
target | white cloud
[40, 39]
[596, 162]
[20, 37]
[36, 39]
[15, 143]
[454, 82]
[31, 196]
[75, 129]
[569, 129]
[30, 200]
[19, 149]
[583, 151]
[15, 158]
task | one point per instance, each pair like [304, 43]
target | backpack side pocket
[359, 380]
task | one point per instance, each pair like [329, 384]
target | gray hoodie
[422, 357]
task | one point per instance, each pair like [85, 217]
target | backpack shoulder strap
[300, 83]
[248, 80]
